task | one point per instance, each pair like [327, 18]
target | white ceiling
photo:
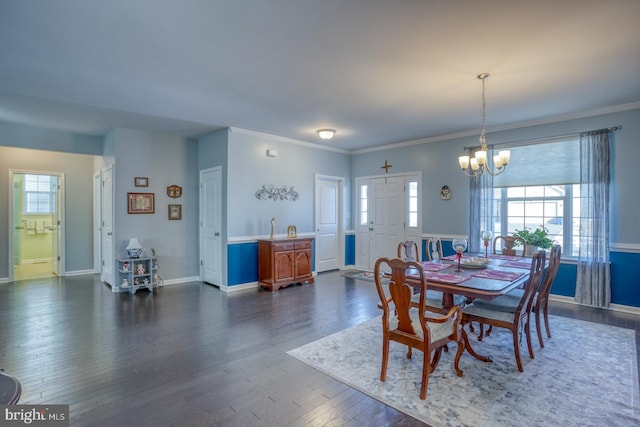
[378, 71]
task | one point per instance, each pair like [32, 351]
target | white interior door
[210, 225]
[328, 223]
[56, 226]
[107, 227]
[387, 217]
[97, 226]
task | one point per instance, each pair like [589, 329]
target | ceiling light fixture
[480, 164]
[326, 133]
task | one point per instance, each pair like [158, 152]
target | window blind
[543, 163]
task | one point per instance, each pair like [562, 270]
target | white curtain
[593, 283]
[481, 205]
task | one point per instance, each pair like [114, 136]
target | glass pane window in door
[364, 209]
[413, 204]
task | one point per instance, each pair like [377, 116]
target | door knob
[216, 234]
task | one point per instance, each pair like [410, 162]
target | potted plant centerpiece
[538, 238]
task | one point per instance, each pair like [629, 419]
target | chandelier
[478, 165]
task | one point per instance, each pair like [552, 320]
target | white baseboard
[613, 307]
[77, 273]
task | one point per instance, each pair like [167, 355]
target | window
[541, 189]
[364, 208]
[554, 207]
[413, 203]
[39, 194]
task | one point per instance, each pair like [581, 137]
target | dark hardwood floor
[191, 355]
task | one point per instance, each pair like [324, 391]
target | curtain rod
[547, 138]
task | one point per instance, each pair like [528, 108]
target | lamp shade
[134, 248]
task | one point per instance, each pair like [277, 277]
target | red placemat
[434, 266]
[450, 279]
[517, 264]
[498, 275]
[505, 257]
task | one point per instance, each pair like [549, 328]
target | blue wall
[243, 262]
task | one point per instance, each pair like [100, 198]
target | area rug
[586, 375]
[361, 275]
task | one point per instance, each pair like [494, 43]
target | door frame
[410, 233]
[107, 252]
[340, 180]
[97, 223]
[59, 263]
[201, 244]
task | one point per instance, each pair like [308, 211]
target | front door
[210, 226]
[387, 217]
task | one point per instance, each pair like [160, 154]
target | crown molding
[286, 140]
[494, 129]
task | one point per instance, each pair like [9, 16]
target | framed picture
[174, 191]
[175, 212]
[139, 181]
[141, 203]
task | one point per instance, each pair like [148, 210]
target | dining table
[479, 276]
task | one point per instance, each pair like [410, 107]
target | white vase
[531, 250]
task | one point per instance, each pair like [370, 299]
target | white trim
[494, 129]
[624, 247]
[427, 236]
[180, 281]
[287, 140]
[78, 273]
[239, 287]
[36, 261]
[614, 307]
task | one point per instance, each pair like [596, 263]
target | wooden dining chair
[508, 245]
[10, 389]
[411, 325]
[510, 313]
[434, 249]
[408, 251]
[540, 306]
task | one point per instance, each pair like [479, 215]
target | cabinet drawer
[278, 247]
[303, 245]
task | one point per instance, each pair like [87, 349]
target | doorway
[329, 223]
[388, 212]
[211, 226]
[36, 218]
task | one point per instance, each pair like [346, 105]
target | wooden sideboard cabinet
[282, 262]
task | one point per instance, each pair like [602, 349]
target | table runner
[498, 275]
